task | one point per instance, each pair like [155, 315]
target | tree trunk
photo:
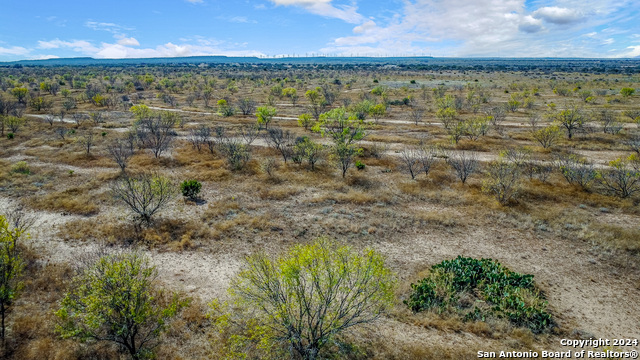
[2, 314]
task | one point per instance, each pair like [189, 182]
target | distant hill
[196, 60]
[546, 65]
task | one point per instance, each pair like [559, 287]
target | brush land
[534, 165]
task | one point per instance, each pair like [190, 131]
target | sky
[43, 29]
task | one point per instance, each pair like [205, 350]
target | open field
[580, 238]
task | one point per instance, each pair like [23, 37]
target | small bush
[360, 165]
[10, 136]
[576, 170]
[500, 292]
[21, 167]
[190, 189]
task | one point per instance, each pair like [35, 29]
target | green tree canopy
[117, 300]
[265, 115]
[315, 292]
[11, 266]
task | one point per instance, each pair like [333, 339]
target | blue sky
[38, 29]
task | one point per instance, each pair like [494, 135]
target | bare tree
[131, 138]
[633, 143]
[269, 166]
[206, 97]
[576, 170]
[250, 133]
[61, 114]
[504, 179]
[145, 195]
[329, 93]
[498, 114]
[191, 98]
[69, 104]
[534, 120]
[97, 117]
[247, 106]
[622, 179]
[6, 108]
[120, 151]
[50, 119]
[156, 133]
[19, 220]
[427, 158]
[610, 124]
[411, 160]
[61, 131]
[464, 164]
[199, 136]
[236, 151]
[416, 114]
[78, 118]
[87, 141]
[282, 141]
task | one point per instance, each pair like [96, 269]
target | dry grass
[278, 193]
[356, 197]
[438, 218]
[71, 201]
[174, 234]
[221, 207]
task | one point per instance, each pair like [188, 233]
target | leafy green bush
[21, 167]
[360, 165]
[117, 299]
[10, 135]
[190, 189]
[501, 292]
[626, 92]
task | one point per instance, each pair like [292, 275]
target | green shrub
[10, 135]
[502, 293]
[360, 165]
[21, 167]
[626, 92]
[190, 189]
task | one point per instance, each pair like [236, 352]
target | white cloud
[529, 24]
[82, 46]
[557, 15]
[128, 41]
[195, 1]
[109, 27]
[241, 20]
[325, 8]
[632, 52]
[128, 48]
[14, 50]
[477, 26]
[44, 57]
[561, 28]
